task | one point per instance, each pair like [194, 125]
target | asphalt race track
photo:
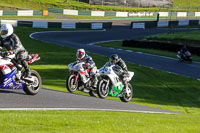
[55, 100]
[48, 99]
[86, 39]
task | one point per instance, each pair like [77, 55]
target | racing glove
[7, 53]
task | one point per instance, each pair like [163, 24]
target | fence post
[158, 15]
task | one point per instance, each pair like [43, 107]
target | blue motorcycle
[11, 78]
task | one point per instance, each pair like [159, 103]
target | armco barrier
[63, 25]
[23, 13]
[159, 24]
[123, 14]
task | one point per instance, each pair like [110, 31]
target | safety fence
[63, 25]
[123, 14]
[159, 24]
[23, 13]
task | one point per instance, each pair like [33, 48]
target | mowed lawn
[151, 88]
[191, 38]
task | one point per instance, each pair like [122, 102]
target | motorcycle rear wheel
[126, 97]
[93, 93]
[190, 61]
[102, 91]
[36, 86]
[71, 84]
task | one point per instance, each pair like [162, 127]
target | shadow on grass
[159, 87]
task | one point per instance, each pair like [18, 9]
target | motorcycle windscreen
[131, 74]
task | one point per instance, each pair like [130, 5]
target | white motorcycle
[110, 83]
[11, 78]
[80, 79]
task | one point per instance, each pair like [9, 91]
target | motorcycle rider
[114, 59]
[183, 50]
[89, 64]
[12, 43]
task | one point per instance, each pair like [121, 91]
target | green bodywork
[116, 91]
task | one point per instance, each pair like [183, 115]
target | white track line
[82, 109]
[93, 43]
[129, 50]
[31, 35]
[138, 52]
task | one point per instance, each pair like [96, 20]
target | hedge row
[159, 45]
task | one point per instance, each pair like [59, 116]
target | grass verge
[118, 45]
[77, 5]
[95, 121]
[189, 38]
[151, 88]
[27, 17]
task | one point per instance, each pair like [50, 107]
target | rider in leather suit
[183, 50]
[11, 42]
[89, 64]
[119, 62]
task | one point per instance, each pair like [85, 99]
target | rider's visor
[112, 61]
[4, 32]
[80, 55]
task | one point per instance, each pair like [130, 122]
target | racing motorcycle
[11, 78]
[110, 83]
[185, 57]
[80, 79]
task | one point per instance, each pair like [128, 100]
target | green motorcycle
[110, 83]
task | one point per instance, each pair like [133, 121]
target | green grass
[189, 38]
[151, 88]
[186, 3]
[118, 45]
[27, 17]
[34, 4]
[8, 8]
[96, 122]
[72, 4]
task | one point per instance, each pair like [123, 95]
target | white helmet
[80, 54]
[6, 30]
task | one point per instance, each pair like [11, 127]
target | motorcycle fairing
[116, 90]
[9, 83]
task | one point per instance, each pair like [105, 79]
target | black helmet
[114, 58]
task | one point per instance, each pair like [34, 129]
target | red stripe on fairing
[3, 67]
[75, 76]
[11, 65]
[30, 61]
[34, 58]
[82, 72]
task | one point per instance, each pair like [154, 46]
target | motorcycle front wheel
[127, 96]
[71, 84]
[33, 88]
[102, 90]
